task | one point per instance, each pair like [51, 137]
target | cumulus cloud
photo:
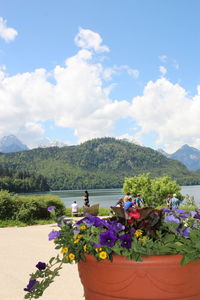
[89, 39]
[129, 138]
[166, 109]
[78, 96]
[7, 33]
[163, 70]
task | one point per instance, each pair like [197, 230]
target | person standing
[169, 198]
[174, 202]
[74, 208]
[138, 200]
[86, 199]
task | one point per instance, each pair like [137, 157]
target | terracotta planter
[157, 277]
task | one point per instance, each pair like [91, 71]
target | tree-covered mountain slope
[98, 163]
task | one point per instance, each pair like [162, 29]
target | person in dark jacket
[86, 199]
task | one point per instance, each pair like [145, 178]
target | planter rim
[173, 259]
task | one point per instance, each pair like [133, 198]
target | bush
[28, 208]
[6, 205]
[35, 207]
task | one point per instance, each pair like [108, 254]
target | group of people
[129, 201]
[172, 201]
[74, 206]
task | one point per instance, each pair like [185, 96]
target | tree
[154, 191]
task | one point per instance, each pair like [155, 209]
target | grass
[13, 223]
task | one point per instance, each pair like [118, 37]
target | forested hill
[98, 163]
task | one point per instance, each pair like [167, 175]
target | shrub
[35, 207]
[6, 205]
[28, 208]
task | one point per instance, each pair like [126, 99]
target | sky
[73, 70]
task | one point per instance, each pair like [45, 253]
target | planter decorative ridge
[155, 278]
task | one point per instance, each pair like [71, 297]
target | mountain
[11, 143]
[163, 152]
[98, 163]
[189, 156]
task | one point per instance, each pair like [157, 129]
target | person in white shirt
[74, 207]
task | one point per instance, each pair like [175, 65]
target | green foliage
[154, 191]
[98, 163]
[7, 205]
[28, 208]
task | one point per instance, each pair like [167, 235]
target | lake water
[109, 197]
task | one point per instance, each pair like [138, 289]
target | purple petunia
[97, 245]
[92, 221]
[107, 238]
[51, 208]
[53, 235]
[193, 213]
[197, 216]
[172, 218]
[115, 226]
[30, 286]
[184, 216]
[186, 232]
[179, 210]
[166, 210]
[41, 265]
[126, 241]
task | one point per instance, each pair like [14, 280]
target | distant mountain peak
[189, 156]
[11, 143]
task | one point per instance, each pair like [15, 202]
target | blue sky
[75, 70]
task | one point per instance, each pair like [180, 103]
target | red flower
[130, 221]
[135, 214]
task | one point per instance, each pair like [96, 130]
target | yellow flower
[84, 248]
[83, 227]
[79, 236]
[143, 239]
[71, 256]
[103, 254]
[64, 250]
[76, 241]
[98, 249]
[138, 232]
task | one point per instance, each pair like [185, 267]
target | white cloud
[166, 109]
[163, 58]
[88, 39]
[163, 70]
[80, 99]
[129, 138]
[7, 33]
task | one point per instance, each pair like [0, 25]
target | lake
[109, 197]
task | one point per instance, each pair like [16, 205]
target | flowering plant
[148, 231]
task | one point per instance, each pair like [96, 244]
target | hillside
[189, 156]
[98, 163]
